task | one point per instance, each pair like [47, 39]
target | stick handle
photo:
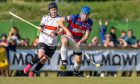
[25, 21]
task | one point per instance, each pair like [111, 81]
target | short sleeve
[89, 27]
[71, 18]
[42, 23]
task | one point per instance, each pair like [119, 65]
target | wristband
[55, 34]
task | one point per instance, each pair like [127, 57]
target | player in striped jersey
[79, 27]
[47, 42]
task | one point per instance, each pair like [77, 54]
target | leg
[38, 66]
[77, 63]
[64, 52]
[36, 58]
[47, 52]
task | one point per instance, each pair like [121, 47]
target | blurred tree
[14, 0]
[3, 0]
[61, 0]
[56, 1]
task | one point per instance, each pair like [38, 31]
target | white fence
[112, 59]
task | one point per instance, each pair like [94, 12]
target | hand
[10, 33]
[40, 29]
[53, 34]
[120, 39]
[78, 44]
[69, 34]
[90, 44]
[100, 22]
[106, 22]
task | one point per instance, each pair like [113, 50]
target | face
[123, 34]
[107, 37]
[53, 12]
[84, 17]
[14, 31]
[22, 41]
[3, 38]
[120, 42]
[130, 33]
[96, 39]
[113, 30]
[139, 43]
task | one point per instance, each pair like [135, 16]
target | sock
[76, 66]
[64, 61]
[38, 67]
[34, 60]
[64, 52]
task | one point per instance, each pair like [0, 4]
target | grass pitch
[69, 80]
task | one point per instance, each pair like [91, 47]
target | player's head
[123, 33]
[3, 36]
[113, 29]
[130, 33]
[52, 7]
[85, 11]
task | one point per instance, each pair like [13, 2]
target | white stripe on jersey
[47, 20]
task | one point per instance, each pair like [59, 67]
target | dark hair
[123, 31]
[138, 40]
[15, 28]
[130, 30]
[113, 28]
[17, 31]
[12, 40]
[3, 34]
[52, 5]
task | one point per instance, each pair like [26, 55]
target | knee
[43, 60]
[41, 54]
[64, 41]
[78, 59]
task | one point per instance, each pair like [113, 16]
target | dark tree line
[59, 0]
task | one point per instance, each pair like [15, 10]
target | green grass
[35, 10]
[69, 80]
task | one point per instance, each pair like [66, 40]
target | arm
[86, 35]
[124, 43]
[9, 36]
[3, 44]
[93, 41]
[42, 24]
[106, 23]
[84, 38]
[61, 24]
[55, 33]
[108, 44]
[134, 45]
[60, 31]
[112, 44]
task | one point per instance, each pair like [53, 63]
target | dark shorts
[49, 50]
[77, 53]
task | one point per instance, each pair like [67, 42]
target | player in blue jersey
[79, 28]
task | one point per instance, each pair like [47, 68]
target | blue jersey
[77, 27]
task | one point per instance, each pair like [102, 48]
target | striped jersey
[49, 25]
[77, 27]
